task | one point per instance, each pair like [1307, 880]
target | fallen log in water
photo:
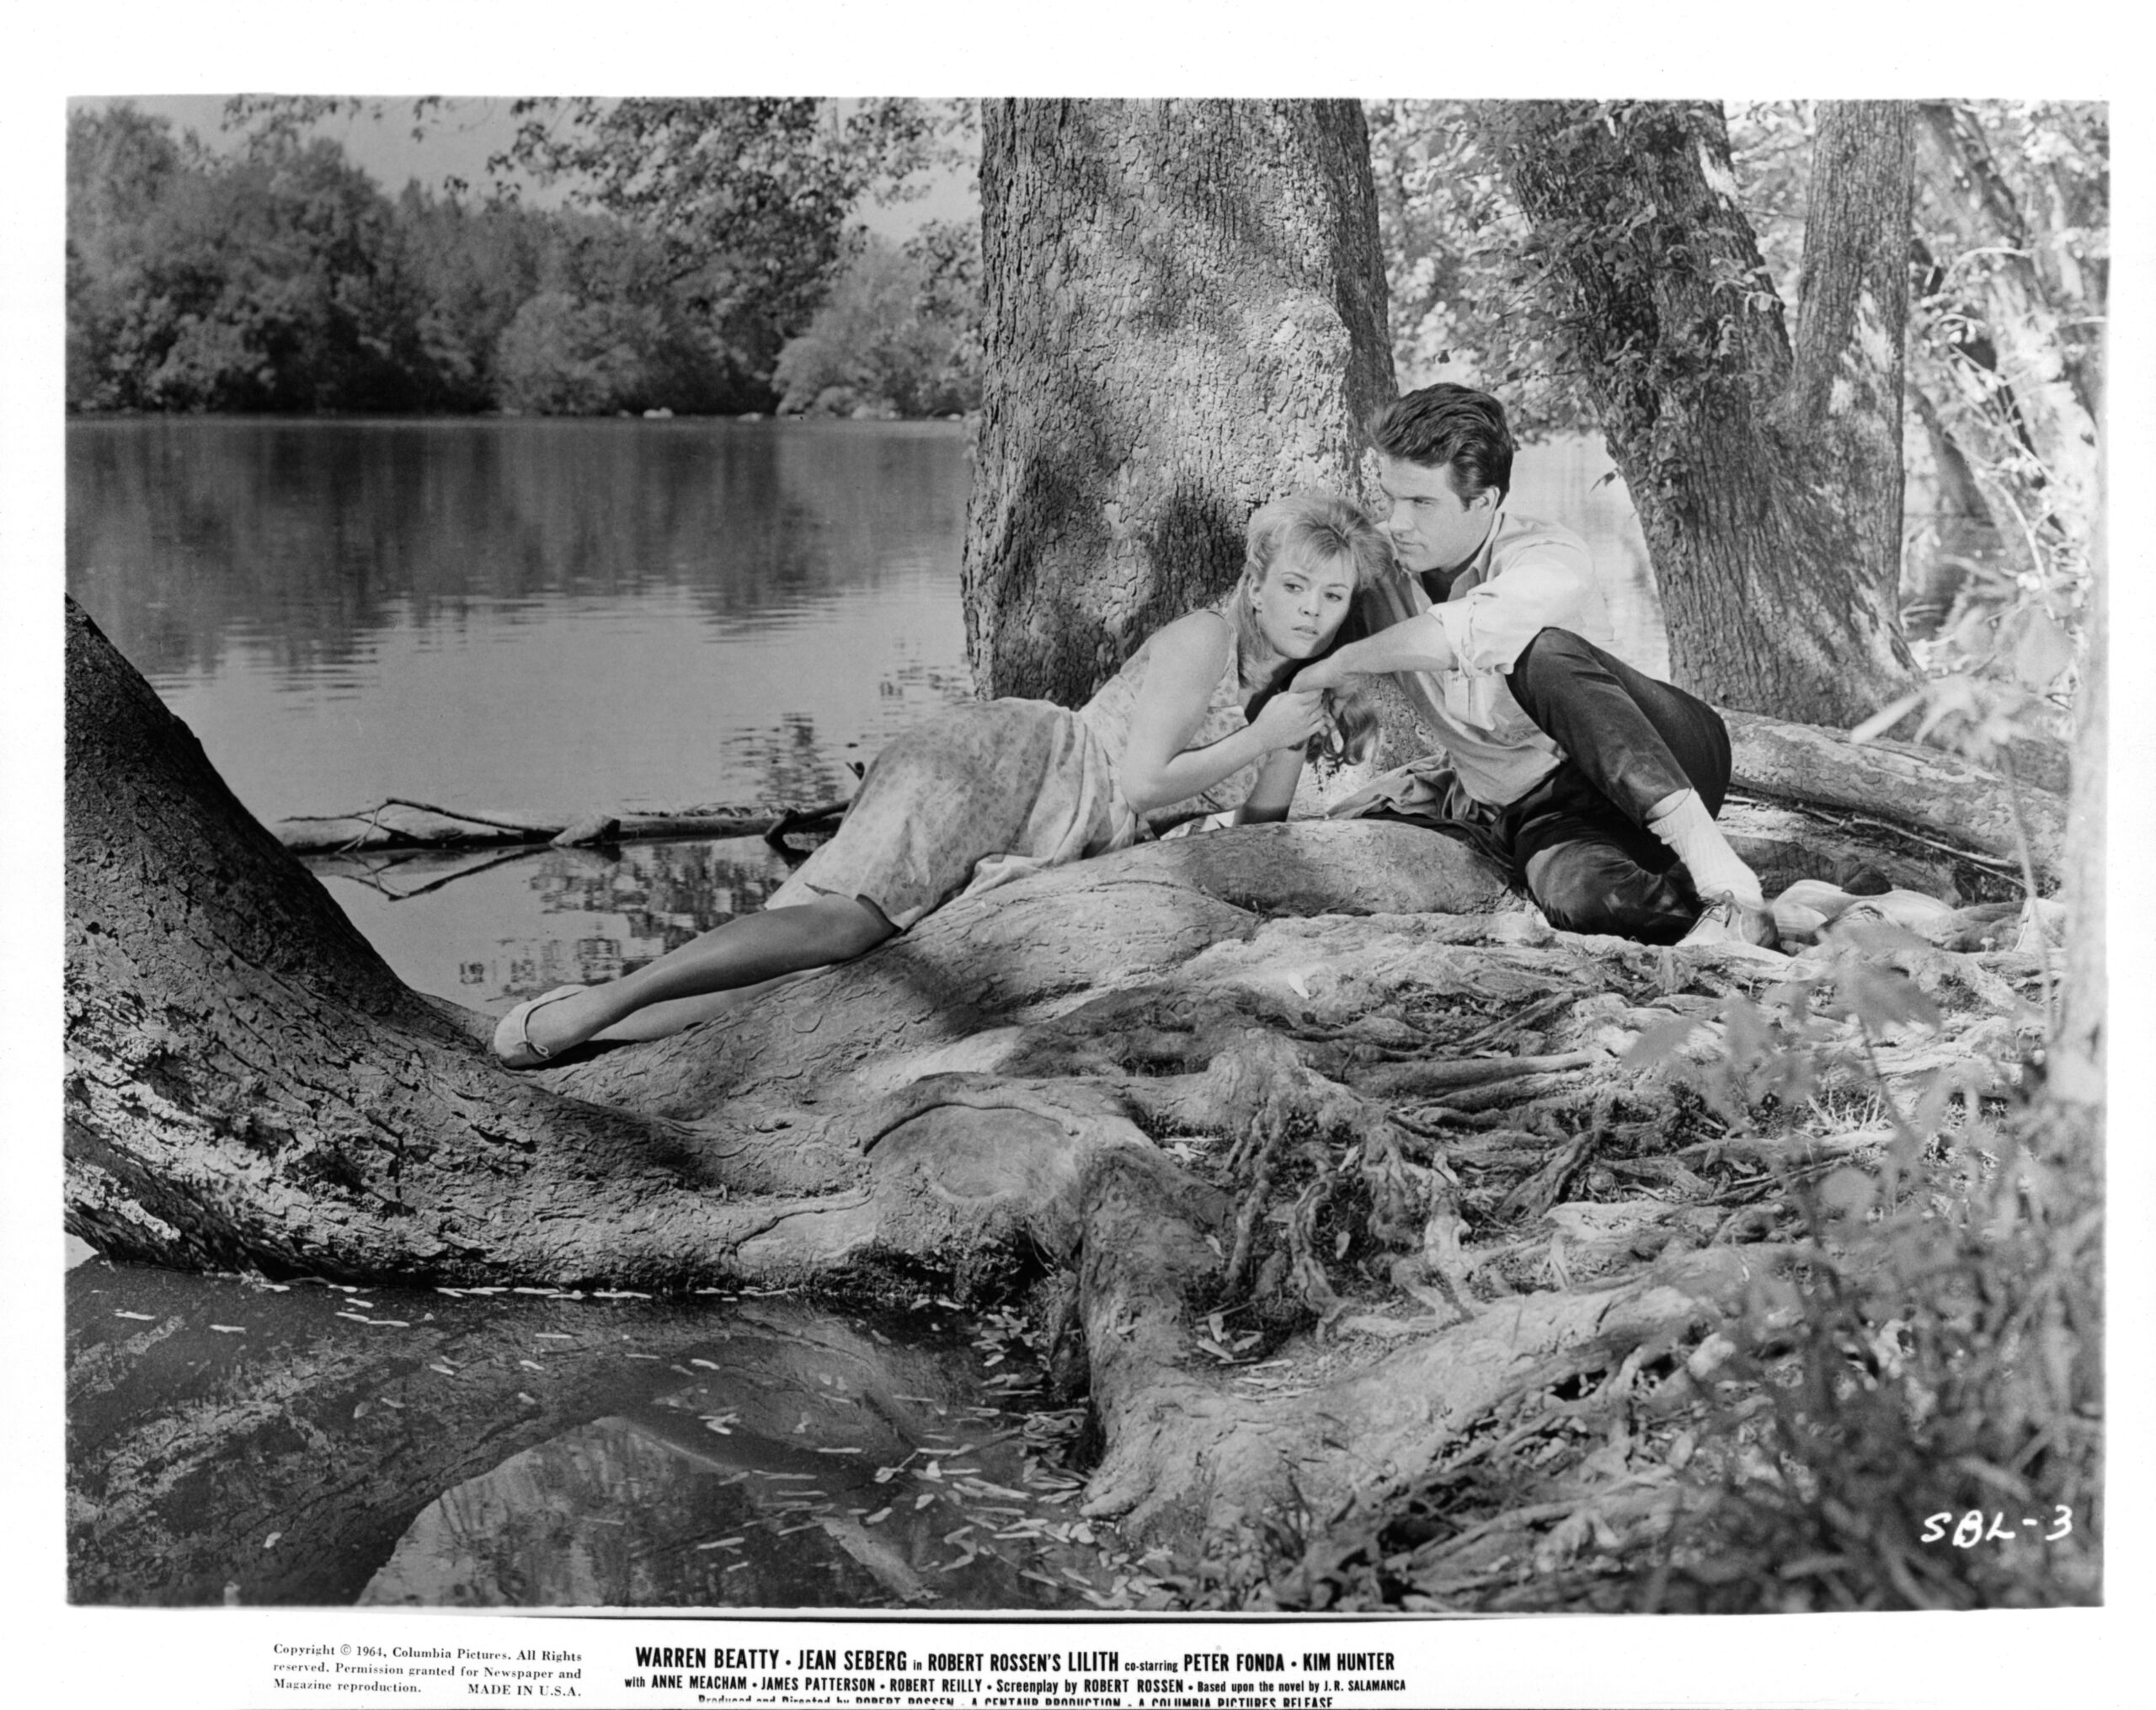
[400, 823]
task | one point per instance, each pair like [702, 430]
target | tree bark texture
[1186, 318]
[1902, 783]
[1767, 478]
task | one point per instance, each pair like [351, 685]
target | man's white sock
[1683, 823]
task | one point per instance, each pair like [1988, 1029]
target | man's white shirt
[1528, 576]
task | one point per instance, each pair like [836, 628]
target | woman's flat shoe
[1725, 920]
[514, 1046]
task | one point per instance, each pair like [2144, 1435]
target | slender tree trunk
[1768, 478]
[1956, 530]
[1844, 394]
[2000, 361]
[1185, 318]
[2076, 1066]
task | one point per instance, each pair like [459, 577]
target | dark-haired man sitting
[1594, 784]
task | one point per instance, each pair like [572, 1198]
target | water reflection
[526, 616]
[486, 928]
[240, 1441]
[655, 1507]
[183, 533]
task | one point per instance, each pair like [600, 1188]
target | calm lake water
[539, 618]
[534, 616]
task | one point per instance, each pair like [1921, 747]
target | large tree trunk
[1768, 479]
[247, 1083]
[1185, 318]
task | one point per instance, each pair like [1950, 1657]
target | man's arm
[1417, 643]
[1481, 633]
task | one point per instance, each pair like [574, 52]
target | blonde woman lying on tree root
[1201, 720]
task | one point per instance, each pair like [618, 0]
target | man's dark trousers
[1578, 841]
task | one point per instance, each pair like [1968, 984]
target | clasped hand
[1291, 718]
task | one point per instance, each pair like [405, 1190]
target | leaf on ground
[1659, 1042]
[2044, 650]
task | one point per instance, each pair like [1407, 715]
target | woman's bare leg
[747, 951]
[670, 1015]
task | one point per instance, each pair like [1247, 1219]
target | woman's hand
[1290, 718]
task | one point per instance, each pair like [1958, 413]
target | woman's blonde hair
[1314, 527]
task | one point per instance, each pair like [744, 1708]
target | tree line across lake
[282, 278]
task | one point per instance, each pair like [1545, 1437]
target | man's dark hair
[1454, 426]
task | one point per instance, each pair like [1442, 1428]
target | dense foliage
[272, 281]
[703, 237]
[899, 335]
